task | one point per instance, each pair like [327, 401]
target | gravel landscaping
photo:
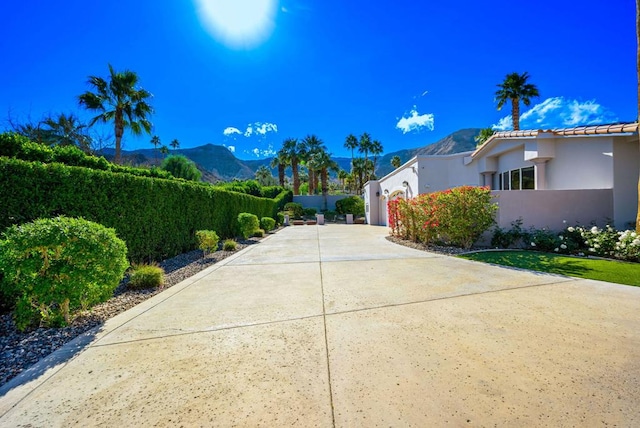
[19, 351]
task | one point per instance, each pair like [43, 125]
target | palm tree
[175, 144]
[311, 145]
[484, 135]
[342, 176]
[66, 130]
[119, 100]
[396, 162]
[263, 175]
[280, 161]
[291, 150]
[351, 143]
[516, 89]
[365, 147]
[165, 151]
[358, 172]
[323, 162]
[376, 150]
[155, 140]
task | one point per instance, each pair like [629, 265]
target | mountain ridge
[218, 163]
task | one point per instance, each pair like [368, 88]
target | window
[518, 179]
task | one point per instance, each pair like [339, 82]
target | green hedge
[157, 218]
[17, 146]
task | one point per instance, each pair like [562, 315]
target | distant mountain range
[219, 163]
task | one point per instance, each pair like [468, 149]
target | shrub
[229, 245]
[330, 215]
[350, 205]
[259, 233]
[295, 209]
[207, 240]
[280, 218]
[455, 217]
[54, 267]
[310, 212]
[248, 224]
[146, 276]
[514, 237]
[267, 223]
[181, 167]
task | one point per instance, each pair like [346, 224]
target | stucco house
[578, 175]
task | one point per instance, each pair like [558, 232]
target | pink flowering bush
[456, 216]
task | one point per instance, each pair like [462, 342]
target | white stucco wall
[581, 163]
[444, 172]
[626, 158]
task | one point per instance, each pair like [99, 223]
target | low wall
[318, 201]
[549, 208]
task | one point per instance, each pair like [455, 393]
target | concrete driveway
[335, 326]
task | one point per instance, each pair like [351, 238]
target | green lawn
[603, 270]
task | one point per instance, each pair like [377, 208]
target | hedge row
[157, 218]
[20, 147]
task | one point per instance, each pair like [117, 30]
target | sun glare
[238, 23]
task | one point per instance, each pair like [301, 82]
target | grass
[602, 270]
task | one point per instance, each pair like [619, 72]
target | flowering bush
[628, 246]
[456, 216]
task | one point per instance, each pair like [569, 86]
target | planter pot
[286, 220]
[311, 222]
[320, 218]
[349, 218]
[298, 222]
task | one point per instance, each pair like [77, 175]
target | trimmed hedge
[157, 218]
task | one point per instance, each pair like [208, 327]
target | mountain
[219, 163]
[458, 142]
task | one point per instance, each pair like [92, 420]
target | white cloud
[262, 153]
[249, 131]
[231, 130]
[558, 112]
[416, 121]
[232, 149]
[263, 128]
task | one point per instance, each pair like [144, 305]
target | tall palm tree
[323, 162]
[120, 101]
[165, 151]
[155, 140]
[66, 130]
[175, 144]
[365, 147]
[351, 143]
[376, 150]
[291, 150]
[515, 89]
[280, 161]
[396, 162]
[263, 175]
[358, 172]
[484, 135]
[311, 145]
[342, 176]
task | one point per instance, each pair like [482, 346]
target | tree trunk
[515, 113]
[281, 174]
[311, 181]
[296, 177]
[119, 123]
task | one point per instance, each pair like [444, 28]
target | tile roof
[614, 128]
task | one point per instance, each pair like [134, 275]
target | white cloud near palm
[558, 112]
[255, 140]
[415, 121]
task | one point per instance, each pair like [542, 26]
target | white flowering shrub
[628, 246]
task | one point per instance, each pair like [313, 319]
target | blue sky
[254, 72]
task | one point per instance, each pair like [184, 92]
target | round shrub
[259, 233]
[229, 245]
[248, 224]
[146, 276]
[350, 205]
[181, 167]
[280, 218]
[294, 208]
[207, 240]
[55, 267]
[310, 212]
[267, 223]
